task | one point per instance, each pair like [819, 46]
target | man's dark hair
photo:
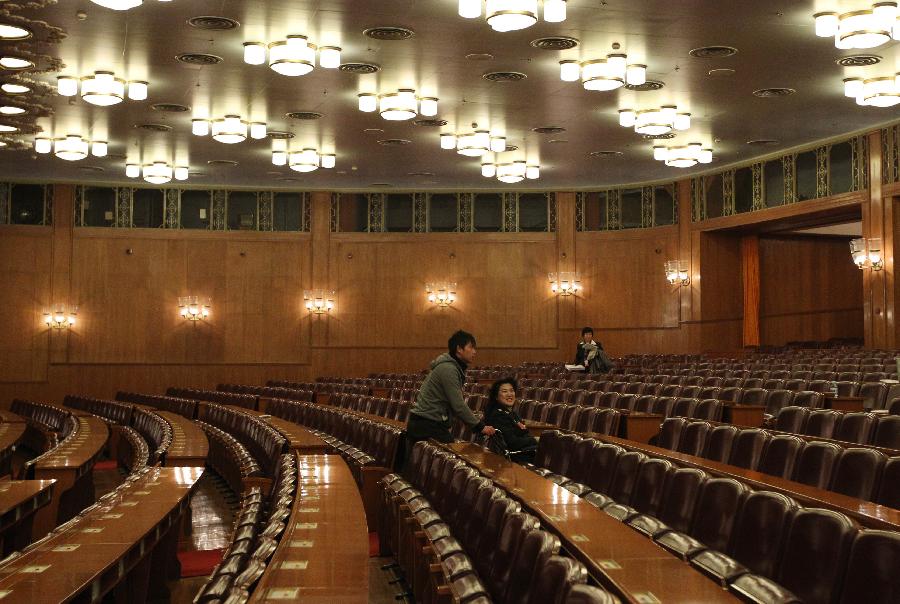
[585, 330]
[461, 339]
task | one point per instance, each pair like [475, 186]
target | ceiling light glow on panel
[511, 172]
[400, 105]
[657, 121]
[102, 88]
[294, 56]
[157, 172]
[473, 144]
[604, 75]
[121, 4]
[874, 92]
[72, 147]
[683, 156]
[868, 27]
[229, 130]
[512, 15]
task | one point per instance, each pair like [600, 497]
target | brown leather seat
[776, 400]
[623, 480]
[872, 568]
[808, 398]
[791, 419]
[644, 404]
[781, 455]
[606, 422]
[647, 492]
[748, 448]
[889, 493]
[582, 457]
[857, 473]
[670, 432]
[608, 399]
[719, 443]
[693, 438]
[536, 549]
[875, 394]
[754, 396]
[684, 407]
[554, 578]
[689, 392]
[603, 466]
[588, 594]
[663, 405]
[855, 427]
[795, 384]
[515, 527]
[821, 423]
[887, 432]
[676, 509]
[815, 464]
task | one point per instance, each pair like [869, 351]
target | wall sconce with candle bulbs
[866, 253]
[72, 147]
[194, 308]
[230, 129]
[61, 318]
[401, 105]
[677, 272]
[293, 56]
[102, 88]
[565, 283]
[511, 15]
[864, 28]
[318, 301]
[442, 294]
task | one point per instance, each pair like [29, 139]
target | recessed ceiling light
[197, 174]
[511, 148]
[380, 184]
[91, 168]
[420, 173]
[654, 137]
[430, 123]
[394, 142]
[558, 141]
[773, 92]
[713, 52]
[154, 127]
[170, 107]
[222, 162]
[8, 31]
[388, 32]
[373, 131]
[288, 179]
[605, 154]
[479, 56]
[646, 86]
[280, 134]
[724, 72]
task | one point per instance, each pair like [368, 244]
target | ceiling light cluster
[874, 92]
[511, 172]
[230, 129]
[655, 122]
[121, 4]
[400, 105]
[71, 148]
[157, 173]
[865, 28]
[14, 63]
[102, 88]
[473, 144]
[603, 74]
[12, 31]
[15, 88]
[305, 160]
[510, 15]
[683, 156]
[293, 56]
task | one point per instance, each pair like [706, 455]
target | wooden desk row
[190, 446]
[619, 558]
[323, 555]
[127, 543]
[299, 438]
[19, 501]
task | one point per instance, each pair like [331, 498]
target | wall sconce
[318, 301]
[442, 294]
[866, 253]
[565, 284]
[60, 319]
[677, 272]
[194, 308]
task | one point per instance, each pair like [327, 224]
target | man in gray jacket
[441, 395]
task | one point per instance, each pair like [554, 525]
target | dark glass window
[630, 208]
[287, 211]
[533, 212]
[353, 213]
[806, 175]
[715, 196]
[442, 213]
[743, 190]
[841, 167]
[148, 208]
[595, 211]
[195, 209]
[398, 213]
[241, 211]
[488, 210]
[98, 206]
[664, 206]
[773, 177]
[27, 204]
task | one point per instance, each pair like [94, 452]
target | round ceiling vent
[713, 52]
[763, 141]
[304, 115]
[430, 123]
[198, 58]
[646, 86]
[773, 92]
[654, 137]
[389, 32]
[548, 130]
[606, 154]
[211, 23]
[279, 134]
[154, 127]
[555, 43]
[504, 76]
[858, 60]
[394, 142]
[222, 162]
[170, 107]
[359, 68]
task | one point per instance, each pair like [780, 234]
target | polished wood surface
[8, 417]
[640, 426]
[299, 439]
[621, 559]
[92, 556]
[848, 404]
[189, 443]
[323, 555]
[19, 501]
[536, 428]
[750, 266]
[10, 435]
[867, 513]
[743, 415]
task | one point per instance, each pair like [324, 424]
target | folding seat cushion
[816, 463]
[693, 438]
[606, 421]
[623, 480]
[887, 432]
[647, 493]
[872, 568]
[791, 419]
[756, 544]
[684, 407]
[748, 448]
[588, 594]
[777, 400]
[781, 455]
[857, 473]
[663, 405]
[854, 427]
[670, 432]
[812, 564]
[754, 396]
[676, 509]
[716, 511]
[603, 466]
[535, 550]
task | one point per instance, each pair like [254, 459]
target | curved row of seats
[485, 547]
[853, 471]
[391, 409]
[132, 452]
[248, 401]
[264, 442]
[229, 458]
[294, 394]
[873, 429]
[182, 406]
[759, 544]
[255, 536]
[49, 417]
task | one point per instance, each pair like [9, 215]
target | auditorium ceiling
[442, 55]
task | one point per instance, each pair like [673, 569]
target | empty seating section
[263, 442]
[132, 452]
[181, 406]
[230, 458]
[249, 401]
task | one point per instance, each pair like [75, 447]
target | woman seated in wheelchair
[512, 438]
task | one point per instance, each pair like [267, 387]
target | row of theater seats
[853, 471]
[255, 536]
[485, 547]
[326, 387]
[155, 430]
[743, 379]
[264, 442]
[759, 544]
[361, 442]
[181, 406]
[877, 430]
[229, 458]
[50, 418]
[391, 409]
[248, 401]
[294, 394]
[132, 452]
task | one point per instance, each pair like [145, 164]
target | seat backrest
[546, 447]
[748, 448]
[663, 405]
[816, 462]
[670, 432]
[534, 551]
[889, 493]
[625, 476]
[490, 533]
[872, 568]
[584, 421]
[608, 399]
[582, 458]
[821, 423]
[719, 443]
[650, 485]
[693, 438]
[515, 527]
[875, 394]
[854, 427]
[717, 509]
[644, 403]
[760, 531]
[554, 579]
[603, 466]
[684, 407]
[778, 399]
[815, 554]
[562, 453]
[781, 455]
[808, 398]
[887, 432]
[791, 419]
[857, 473]
[588, 594]
[709, 409]
[689, 392]
[606, 421]
[754, 396]
[682, 492]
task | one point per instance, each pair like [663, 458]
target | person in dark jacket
[590, 354]
[441, 395]
[501, 415]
